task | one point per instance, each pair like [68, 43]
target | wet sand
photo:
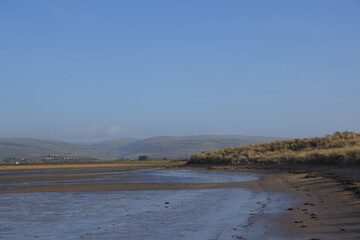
[315, 208]
[324, 208]
[125, 203]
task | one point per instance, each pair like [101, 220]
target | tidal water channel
[217, 213]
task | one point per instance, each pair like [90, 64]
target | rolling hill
[155, 147]
[29, 147]
[185, 146]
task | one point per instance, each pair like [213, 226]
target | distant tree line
[143, 158]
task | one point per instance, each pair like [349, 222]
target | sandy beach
[321, 207]
[324, 209]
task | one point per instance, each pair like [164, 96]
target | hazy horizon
[94, 140]
[85, 71]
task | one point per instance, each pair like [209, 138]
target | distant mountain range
[155, 147]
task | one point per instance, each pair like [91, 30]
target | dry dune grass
[339, 148]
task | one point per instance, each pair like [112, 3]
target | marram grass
[337, 149]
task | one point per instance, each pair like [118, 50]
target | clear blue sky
[94, 70]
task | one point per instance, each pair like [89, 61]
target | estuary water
[221, 213]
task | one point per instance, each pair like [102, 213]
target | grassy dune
[337, 149]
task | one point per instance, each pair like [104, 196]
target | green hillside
[185, 146]
[155, 147]
[339, 148]
[29, 147]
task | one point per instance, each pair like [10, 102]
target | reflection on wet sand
[168, 204]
